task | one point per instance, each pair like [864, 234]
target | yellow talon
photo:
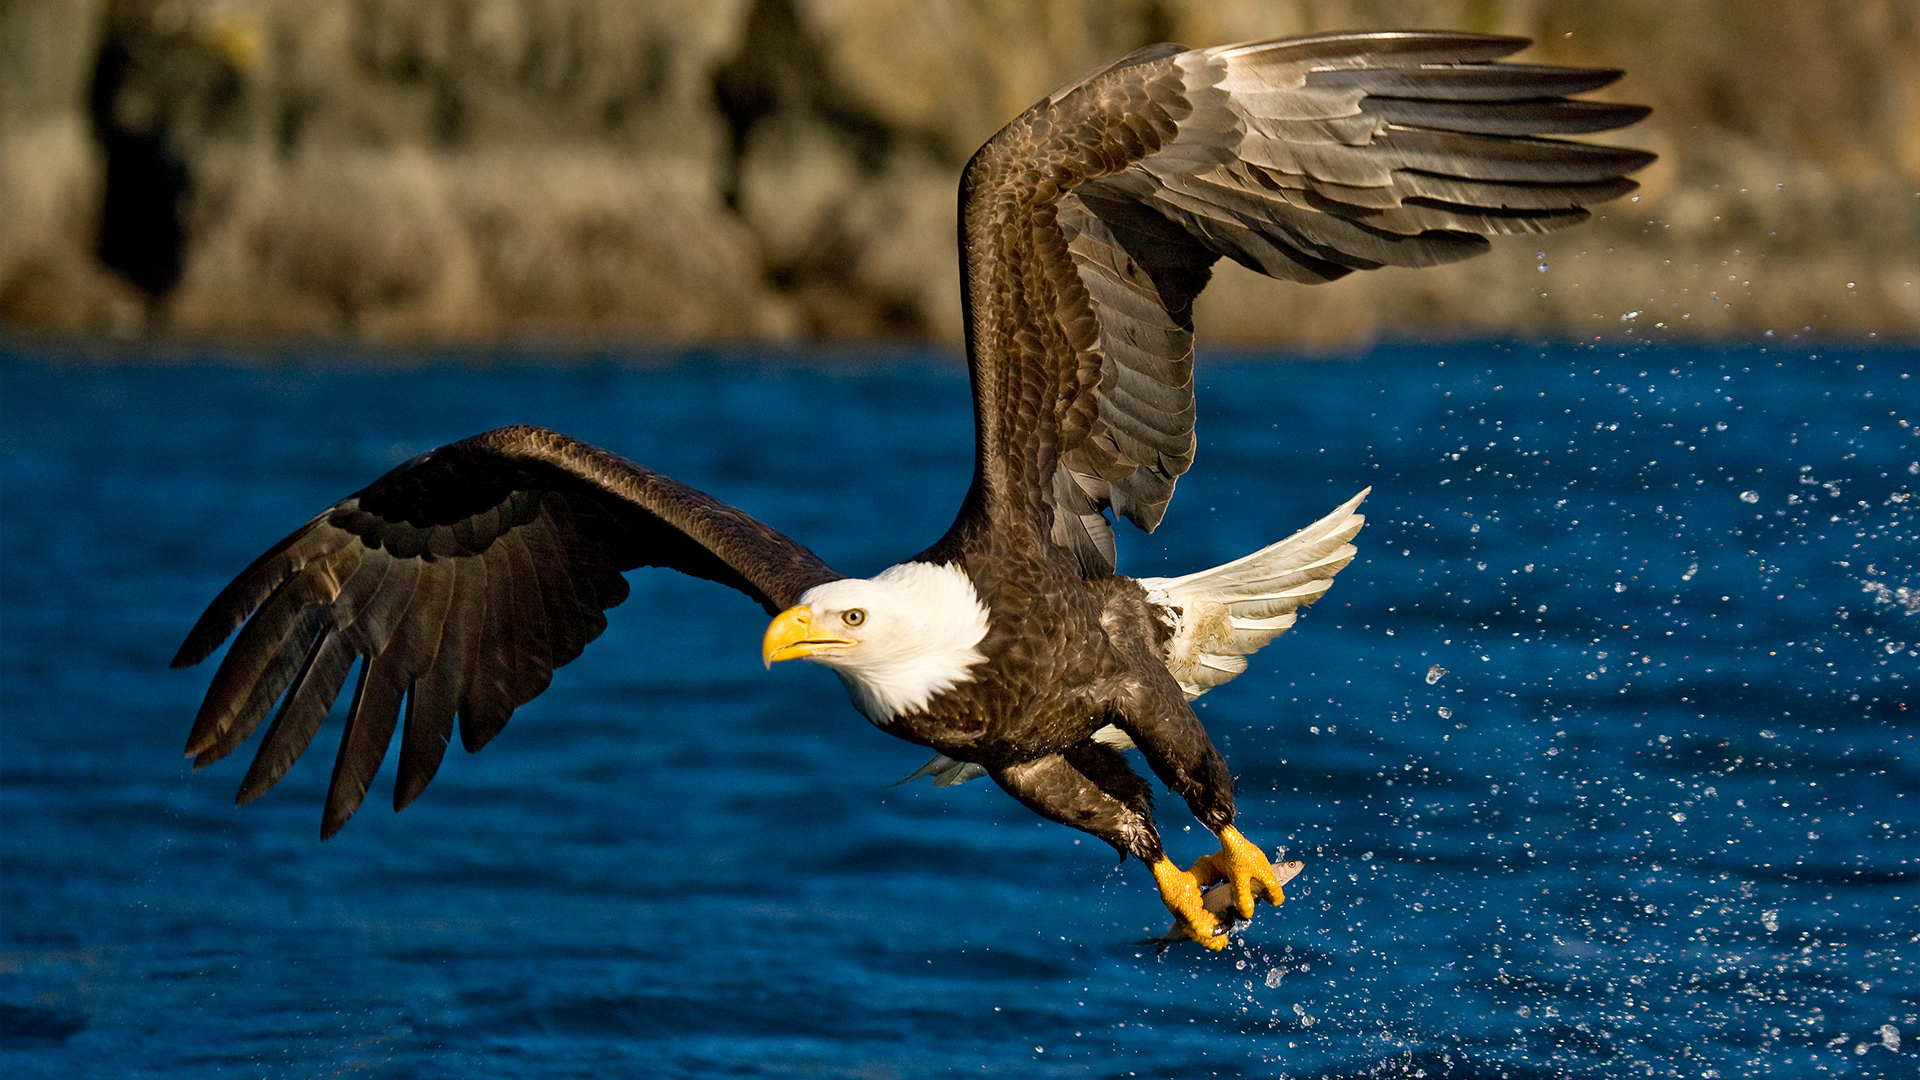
[1209, 915]
[1181, 893]
[1245, 869]
[1205, 871]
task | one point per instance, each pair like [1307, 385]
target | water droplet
[1749, 496]
[1434, 673]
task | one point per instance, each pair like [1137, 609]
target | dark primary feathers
[463, 578]
[1088, 226]
[1092, 221]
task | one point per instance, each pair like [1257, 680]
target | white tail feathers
[947, 771]
[1219, 616]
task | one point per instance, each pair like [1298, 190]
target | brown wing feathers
[460, 581]
[1304, 159]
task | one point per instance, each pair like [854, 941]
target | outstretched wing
[463, 579]
[1091, 222]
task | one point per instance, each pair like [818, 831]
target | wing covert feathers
[1091, 222]
[1220, 616]
[458, 582]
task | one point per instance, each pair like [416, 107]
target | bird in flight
[1011, 647]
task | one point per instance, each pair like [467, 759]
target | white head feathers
[916, 638]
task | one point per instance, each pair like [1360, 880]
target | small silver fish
[1218, 899]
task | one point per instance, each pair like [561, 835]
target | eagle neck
[935, 648]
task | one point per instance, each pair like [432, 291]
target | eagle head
[896, 639]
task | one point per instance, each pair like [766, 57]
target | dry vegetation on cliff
[472, 170]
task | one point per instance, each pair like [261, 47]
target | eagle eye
[854, 616]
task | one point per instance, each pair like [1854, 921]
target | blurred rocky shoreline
[426, 172]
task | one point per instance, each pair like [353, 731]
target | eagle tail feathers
[1220, 615]
[945, 772]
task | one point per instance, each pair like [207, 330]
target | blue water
[1660, 816]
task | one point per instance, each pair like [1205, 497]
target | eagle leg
[1090, 787]
[1181, 893]
[1240, 864]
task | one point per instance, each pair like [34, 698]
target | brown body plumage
[1088, 226]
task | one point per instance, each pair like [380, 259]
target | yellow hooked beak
[790, 636]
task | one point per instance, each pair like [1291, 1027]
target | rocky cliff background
[654, 171]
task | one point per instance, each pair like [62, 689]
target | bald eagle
[1011, 647]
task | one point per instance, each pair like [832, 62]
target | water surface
[1601, 755]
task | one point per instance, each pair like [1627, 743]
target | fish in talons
[1219, 901]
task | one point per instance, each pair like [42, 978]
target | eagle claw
[1180, 891]
[1246, 871]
